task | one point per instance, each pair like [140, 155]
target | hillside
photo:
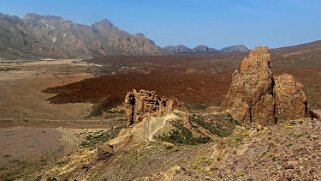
[311, 48]
[37, 36]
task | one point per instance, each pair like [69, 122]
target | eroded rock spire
[256, 96]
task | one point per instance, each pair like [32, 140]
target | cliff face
[36, 36]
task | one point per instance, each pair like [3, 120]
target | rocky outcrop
[250, 96]
[256, 96]
[145, 103]
[290, 99]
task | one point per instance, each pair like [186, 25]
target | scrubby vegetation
[222, 125]
[99, 137]
[218, 124]
[103, 105]
[6, 69]
[182, 135]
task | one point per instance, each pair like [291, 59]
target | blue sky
[217, 23]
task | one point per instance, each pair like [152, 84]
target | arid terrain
[180, 90]
[197, 80]
[54, 113]
[33, 131]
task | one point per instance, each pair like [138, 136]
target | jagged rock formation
[250, 96]
[290, 99]
[256, 96]
[144, 103]
[37, 36]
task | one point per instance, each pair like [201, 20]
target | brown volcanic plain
[196, 80]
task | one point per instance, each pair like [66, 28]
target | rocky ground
[43, 141]
[290, 151]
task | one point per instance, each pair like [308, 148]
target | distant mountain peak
[204, 49]
[178, 49]
[33, 16]
[235, 48]
[39, 36]
[105, 22]
[182, 49]
[201, 46]
[140, 35]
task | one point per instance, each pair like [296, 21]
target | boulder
[145, 103]
[168, 145]
[105, 151]
[315, 114]
[290, 99]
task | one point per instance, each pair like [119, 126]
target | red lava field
[195, 80]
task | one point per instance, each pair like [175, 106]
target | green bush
[99, 137]
[220, 124]
[182, 135]
[101, 106]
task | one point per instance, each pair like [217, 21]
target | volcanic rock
[290, 99]
[145, 103]
[168, 145]
[250, 97]
[256, 96]
[315, 114]
[105, 151]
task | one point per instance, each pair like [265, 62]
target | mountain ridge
[204, 49]
[235, 48]
[46, 36]
[38, 36]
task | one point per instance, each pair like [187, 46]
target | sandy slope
[33, 132]
[21, 96]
